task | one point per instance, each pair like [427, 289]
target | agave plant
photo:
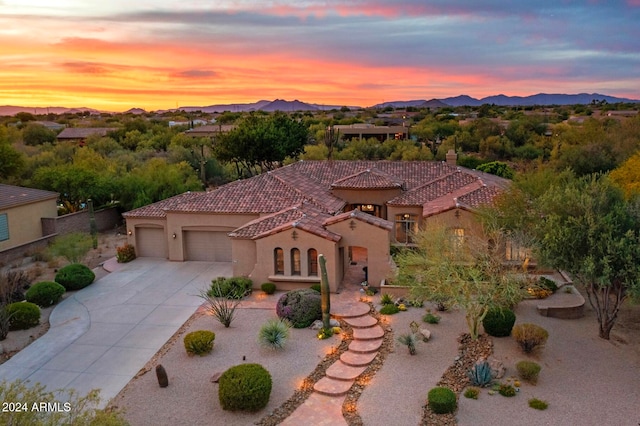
[480, 374]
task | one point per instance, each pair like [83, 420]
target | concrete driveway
[101, 336]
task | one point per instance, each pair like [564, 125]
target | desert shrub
[301, 307]
[199, 342]
[274, 333]
[389, 309]
[73, 246]
[24, 315]
[528, 371]
[221, 308]
[45, 293]
[472, 392]
[76, 410]
[231, 288]
[539, 293]
[499, 322]
[12, 286]
[538, 404]
[442, 400]
[325, 333]
[316, 287]
[245, 387]
[507, 390]
[386, 299]
[126, 253]
[548, 284]
[5, 322]
[75, 276]
[409, 340]
[530, 337]
[268, 288]
[430, 318]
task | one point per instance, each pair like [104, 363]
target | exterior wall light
[174, 235]
[294, 235]
[352, 224]
[129, 232]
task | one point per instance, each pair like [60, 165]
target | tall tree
[460, 271]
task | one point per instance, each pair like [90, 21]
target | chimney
[452, 158]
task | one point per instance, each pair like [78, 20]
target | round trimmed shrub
[75, 276]
[442, 400]
[301, 307]
[45, 293]
[268, 288]
[24, 315]
[499, 322]
[528, 371]
[199, 342]
[245, 387]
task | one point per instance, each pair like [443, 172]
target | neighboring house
[210, 130]
[366, 131]
[51, 125]
[273, 226]
[21, 214]
[80, 134]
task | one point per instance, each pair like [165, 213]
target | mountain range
[296, 105]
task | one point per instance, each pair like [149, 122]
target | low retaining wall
[9, 255]
[563, 305]
[396, 291]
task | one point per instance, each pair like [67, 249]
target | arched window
[295, 261]
[278, 261]
[312, 257]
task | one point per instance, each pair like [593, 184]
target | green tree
[497, 168]
[11, 161]
[37, 134]
[262, 142]
[590, 231]
[460, 271]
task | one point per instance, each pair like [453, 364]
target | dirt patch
[46, 271]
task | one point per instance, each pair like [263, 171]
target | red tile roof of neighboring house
[84, 132]
[479, 197]
[12, 196]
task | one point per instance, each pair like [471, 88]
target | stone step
[349, 310]
[361, 322]
[355, 359]
[332, 387]
[369, 333]
[365, 346]
[341, 371]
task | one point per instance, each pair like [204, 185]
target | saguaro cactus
[324, 292]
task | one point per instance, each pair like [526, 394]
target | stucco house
[273, 226]
[21, 214]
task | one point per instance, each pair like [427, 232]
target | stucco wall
[243, 254]
[392, 211]
[375, 239]
[265, 270]
[456, 218]
[25, 222]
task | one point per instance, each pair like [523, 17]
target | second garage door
[208, 246]
[151, 242]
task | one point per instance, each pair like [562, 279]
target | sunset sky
[158, 54]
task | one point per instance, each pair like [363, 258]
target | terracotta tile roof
[311, 182]
[12, 196]
[84, 132]
[304, 217]
[160, 208]
[361, 216]
[434, 189]
[480, 197]
[448, 201]
[368, 179]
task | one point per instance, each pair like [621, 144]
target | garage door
[209, 246]
[151, 242]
